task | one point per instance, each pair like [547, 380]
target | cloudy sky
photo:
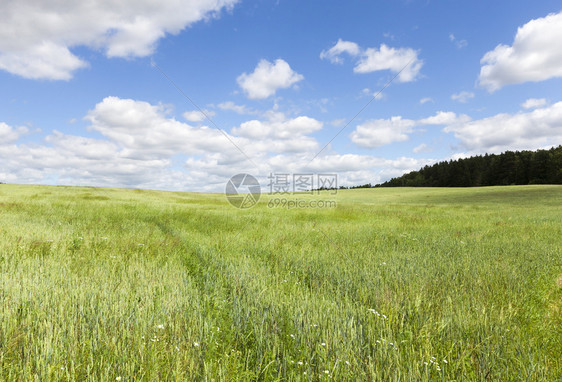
[183, 94]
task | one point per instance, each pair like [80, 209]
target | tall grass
[393, 284]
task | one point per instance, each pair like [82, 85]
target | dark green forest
[508, 168]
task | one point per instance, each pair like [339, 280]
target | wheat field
[391, 284]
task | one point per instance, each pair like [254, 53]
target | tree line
[508, 168]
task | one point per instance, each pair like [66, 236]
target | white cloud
[333, 54]
[376, 133]
[238, 109]
[535, 55]
[533, 103]
[458, 43]
[46, 60]
[351, 169]
[282, 129]
[426, 100]
[444, 118]
[373, 59]
[36, 36]
[340, 122]
[380, 132]
[393, 59]
[267, 78]
[422, 148]
[9, 134]
[144, 131]
[86, 148]
[462, 97]
[198, 116]
[530, 130]
[75, 160]
[141, 145]
[377, 95]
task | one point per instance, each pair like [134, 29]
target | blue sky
[84, 99]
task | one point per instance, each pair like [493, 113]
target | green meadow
[393, 284]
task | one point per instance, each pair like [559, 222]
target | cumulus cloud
[533, 103]
[380, 132]
[10, 134]
[426, 100]
[144, 130]
[267, 78]
[376, 133]
[462, 97]
[535, 55]
[393, 59]
[198, 116]
[334, 53]
[526, 130]
[282, 129]
[141, 144]
[36, 36]
[444, 118]
[373, 59]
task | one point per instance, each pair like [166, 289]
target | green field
[394, 284]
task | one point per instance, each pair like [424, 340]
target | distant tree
[519, 167]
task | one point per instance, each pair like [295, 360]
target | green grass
[393, 284]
